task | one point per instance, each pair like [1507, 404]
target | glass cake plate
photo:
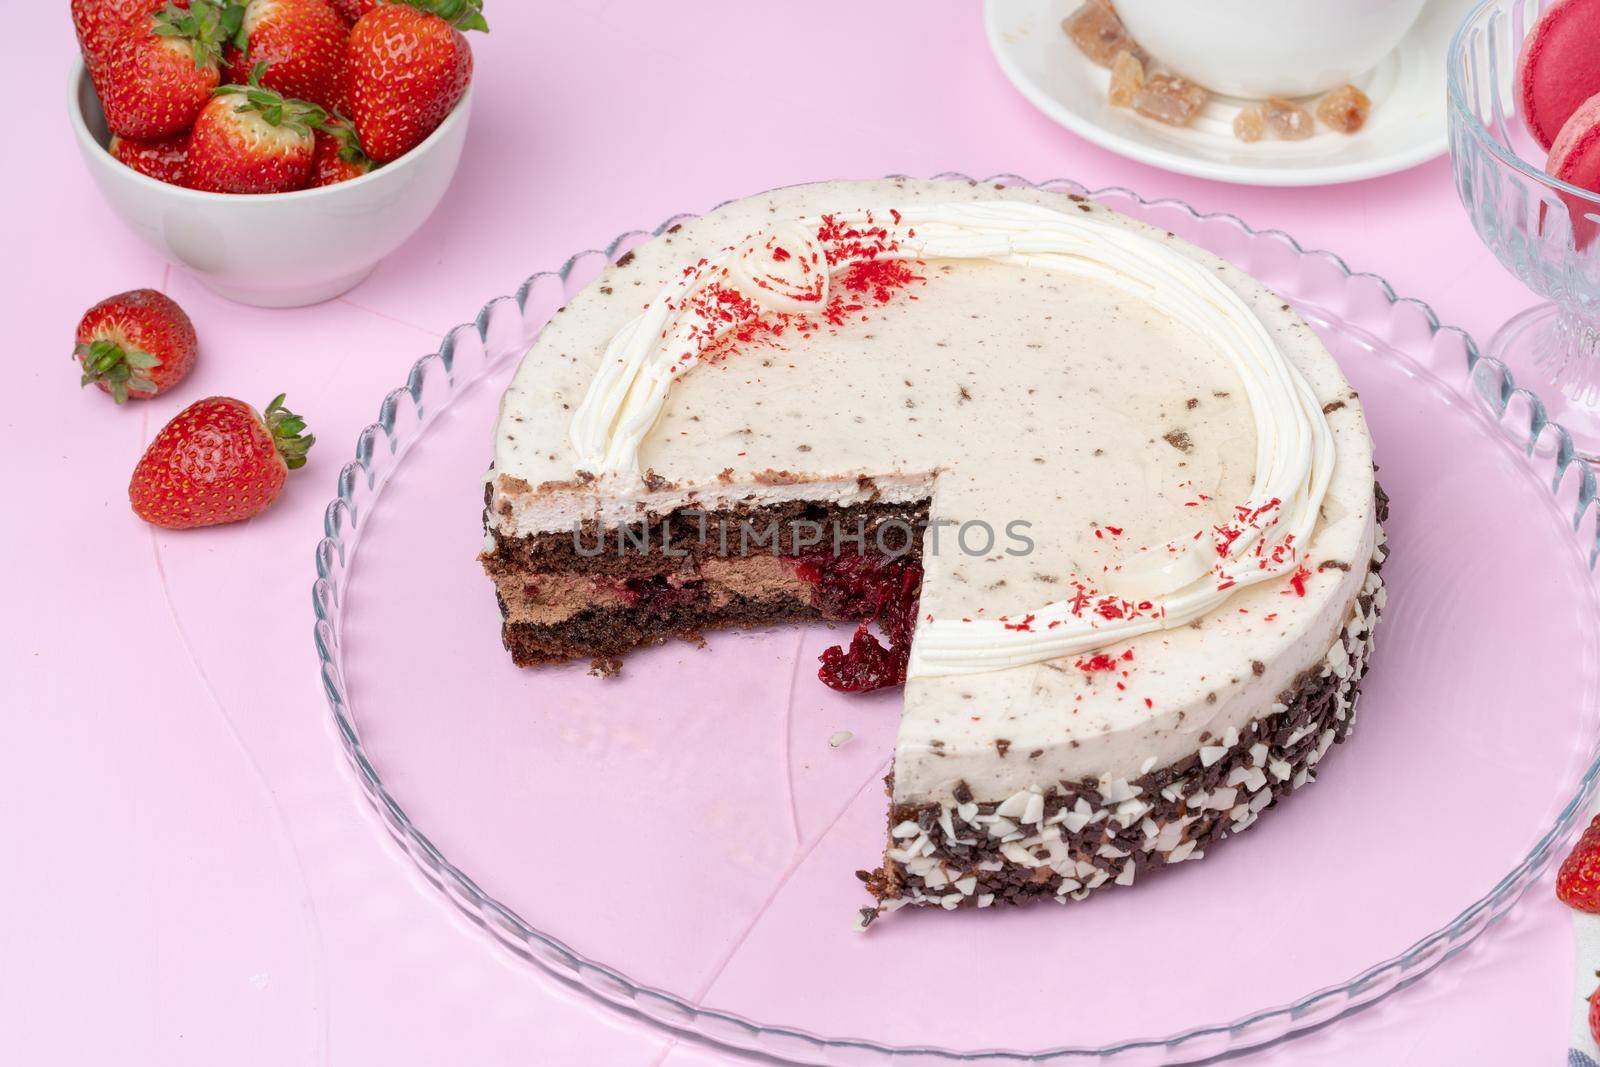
[680, 841]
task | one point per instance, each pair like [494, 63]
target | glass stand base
[1557, 357]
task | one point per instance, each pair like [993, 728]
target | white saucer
[1407, 125]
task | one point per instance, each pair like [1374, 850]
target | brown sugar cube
[1127, 78]
[1170, 99]
[1288, 120]
[1345, 109]
[1250, 123]
[1099, 34]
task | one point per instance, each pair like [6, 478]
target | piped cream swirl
[785, 271]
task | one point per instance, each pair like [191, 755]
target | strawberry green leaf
[119, 368]
[462, 14]
[285, 427]
[350, 150]
[232, 24]
[204, 24]
[302, 116]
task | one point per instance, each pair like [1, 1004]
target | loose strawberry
[162, 160]
[1578, 881]
[252, 140]
[160, 72]
[218, 461]
[338, 155]
[137, 344]
[302, 43]
[351, 10]
[1594, 1013]
[406, 67]
[99, 22]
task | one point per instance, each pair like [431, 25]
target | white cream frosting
[785, 270]
[781, 271]
[995, 391]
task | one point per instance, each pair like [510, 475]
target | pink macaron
[1559, 67]
[1575, 158]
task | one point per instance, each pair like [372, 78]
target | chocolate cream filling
[598, 593]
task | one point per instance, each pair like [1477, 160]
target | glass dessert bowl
[1544, 230]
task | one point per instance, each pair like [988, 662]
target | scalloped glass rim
[508, 325]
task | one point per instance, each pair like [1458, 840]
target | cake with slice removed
[1100, 502]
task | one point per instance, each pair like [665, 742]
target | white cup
[1261, 48]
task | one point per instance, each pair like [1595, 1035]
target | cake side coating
[1065, 839]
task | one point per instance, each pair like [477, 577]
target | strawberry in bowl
[254, 169]
[406, 67]
[301, 43]
[156, 72]
[251, 140]
[99, 23]
[165, 159]
[338, 156]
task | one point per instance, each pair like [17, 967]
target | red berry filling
[877, 589]
[656, 595]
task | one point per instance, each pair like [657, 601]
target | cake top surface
[1067, 432]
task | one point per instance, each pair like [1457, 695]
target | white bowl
[1261, 48]
[281, 249]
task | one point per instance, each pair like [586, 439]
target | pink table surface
[191, 875]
